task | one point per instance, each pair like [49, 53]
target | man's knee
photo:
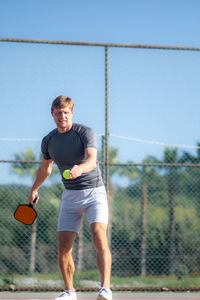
[99, 235]
[64, 250]
[65, 242]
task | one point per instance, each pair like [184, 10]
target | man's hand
[87, 166]
[33, 197]
[76, 171]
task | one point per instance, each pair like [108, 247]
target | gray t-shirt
[67, 149]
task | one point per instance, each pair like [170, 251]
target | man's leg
[66, 263]
[104, 259]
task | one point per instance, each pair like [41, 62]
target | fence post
[106, 139]
[107, 119]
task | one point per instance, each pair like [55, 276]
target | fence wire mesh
[153, 229]
[154, 206]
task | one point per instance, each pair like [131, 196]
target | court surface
[92, 295]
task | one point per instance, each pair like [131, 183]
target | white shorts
[76, 203]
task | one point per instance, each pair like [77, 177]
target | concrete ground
[92, 295]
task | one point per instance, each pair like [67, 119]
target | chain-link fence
[154, 206]
[154, 224]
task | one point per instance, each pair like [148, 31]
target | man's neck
[64, 129]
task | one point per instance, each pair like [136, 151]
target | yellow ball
[66, 174]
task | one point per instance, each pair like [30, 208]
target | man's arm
[43, 173]
[87, 166]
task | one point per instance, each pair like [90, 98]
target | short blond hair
[61, 102]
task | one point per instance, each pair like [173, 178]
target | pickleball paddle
[25, 213]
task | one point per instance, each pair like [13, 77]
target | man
[73, 146]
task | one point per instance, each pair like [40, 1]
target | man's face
[63, 118]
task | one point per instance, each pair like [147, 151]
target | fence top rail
[118, 45]
[112, 164]
[157, 164]
[19, 161]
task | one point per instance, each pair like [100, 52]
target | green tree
[147, 176]
[26, 165]
[27, 169]
[189, 158]
[191, 175]
[13, 240]
[171, 157]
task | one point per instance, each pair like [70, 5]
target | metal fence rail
[95, 44]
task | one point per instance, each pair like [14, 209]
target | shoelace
[64, 293]
[103, 290]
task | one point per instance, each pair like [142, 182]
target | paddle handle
[31, 205]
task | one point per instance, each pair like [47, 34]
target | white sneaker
[104, 294]
[67, 295]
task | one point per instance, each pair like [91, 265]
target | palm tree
[171, 157]
[25, 167]
[28, 169]
[146, 174]
[189, 158]
[192, 182]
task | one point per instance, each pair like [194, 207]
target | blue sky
[154, 94]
